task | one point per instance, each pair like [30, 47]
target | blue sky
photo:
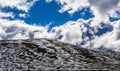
[43, 13]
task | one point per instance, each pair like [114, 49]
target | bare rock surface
[46, 54]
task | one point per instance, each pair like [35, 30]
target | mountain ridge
[45, 54]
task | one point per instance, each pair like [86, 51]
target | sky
[42, 13]
[86, 23]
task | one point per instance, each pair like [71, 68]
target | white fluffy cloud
[9, 14]
[76, 32]
[23, 5]
[82, 33]
[102, 9]
[69, 32]
[72, 5]
[93, 33]
[18, 29]
[110, 40]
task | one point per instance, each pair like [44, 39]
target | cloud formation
[72, 5]
[111, 39]
[104, 6]
[18, 29]
[5, 15]
[97, 32]
[106, 35]
[102, 9]
[23, 5]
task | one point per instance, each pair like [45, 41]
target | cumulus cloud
[96, 32]
[69, 32]
[110, 40]
[104, 6]
[23, 5]
[18, 29]
[5, 15]
[78, 32]
[102, 9]
[72, 5]
[83, 34]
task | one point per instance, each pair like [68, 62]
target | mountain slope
[46, 54]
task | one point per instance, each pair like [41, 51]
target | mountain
[47, 54]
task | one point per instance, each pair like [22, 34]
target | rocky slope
[46, 54]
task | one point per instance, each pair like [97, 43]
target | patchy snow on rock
[46, 54]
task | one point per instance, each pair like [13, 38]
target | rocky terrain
[46, 54]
